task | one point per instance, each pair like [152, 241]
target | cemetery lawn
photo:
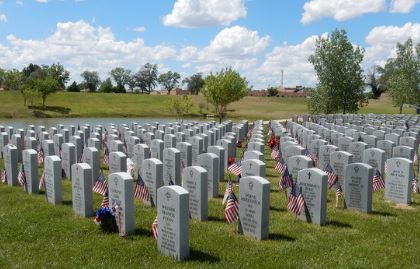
[65, 104]
[34, 234]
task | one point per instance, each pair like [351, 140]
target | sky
[258, 38]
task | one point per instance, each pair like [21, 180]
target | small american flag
[308, 154]
[274, 153]
[249, 134]
[286, 180]
[415, 158]
[22, 176]
[101, 185]
[235, 168]
[229, 189]
[386, 167]
[332, 177]
[130, 166]
[414, 185]
[4, 176]
[105, 201]
[141, 192]
[296, 203]
[40, 156]
[378, 181]
[42, 181]
[105, 136]
[106, 155]
[338, 193]
[155, 229]
[232, 208]
[280, 165]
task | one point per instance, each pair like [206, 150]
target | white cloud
[202, 13]
[383, 39]
[236, 46]
[403, 6]
[42, 1]
[293, 60]
[139, 29]
[19, 2]
[340, 10]
[3, 18]
[79, 46]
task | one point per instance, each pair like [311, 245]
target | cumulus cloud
[383, 39]
[3, 18]
[235, 46]
[340, 10]
[293, 60]
[79, 46]
[403, 6]
[202, 13]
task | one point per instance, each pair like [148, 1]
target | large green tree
[121, 77]
[337, 64]
[401, 75]
[13, 80]
[223, 88]
[194, 83]
[147, 78]
[169, 80]
[91, 80]
[46, 86]
[60, 74]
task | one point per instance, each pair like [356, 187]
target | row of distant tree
[341, 80]
[41, 80]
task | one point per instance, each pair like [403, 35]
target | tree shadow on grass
[338, 224]
[383, 214]
[280, 237]
[214, 218]
[58, 109]
[200, 256]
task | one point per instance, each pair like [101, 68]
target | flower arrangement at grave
[106, 219]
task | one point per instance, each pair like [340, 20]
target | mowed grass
[64, 104]
[35, 234]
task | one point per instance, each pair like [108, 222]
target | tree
[73, 87]
[13, 80]
[319, 101]
[91, 80]
[180, 106]
[337, 65]
[272, 91]
[147, 78]
[2, 76]
[373, 82]
[401, 75]
[29, 90]
[60, 74]
[121, 77]
[169, 80]
[46, 86]
[194, 83]
[106, 86]
[131, 82]
[223, 88]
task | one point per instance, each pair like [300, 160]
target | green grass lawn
[35, 234]
[64, 104]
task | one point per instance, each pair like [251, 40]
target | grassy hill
[64, 104]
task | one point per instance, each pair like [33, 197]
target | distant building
[259, 93]
[297, 91]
